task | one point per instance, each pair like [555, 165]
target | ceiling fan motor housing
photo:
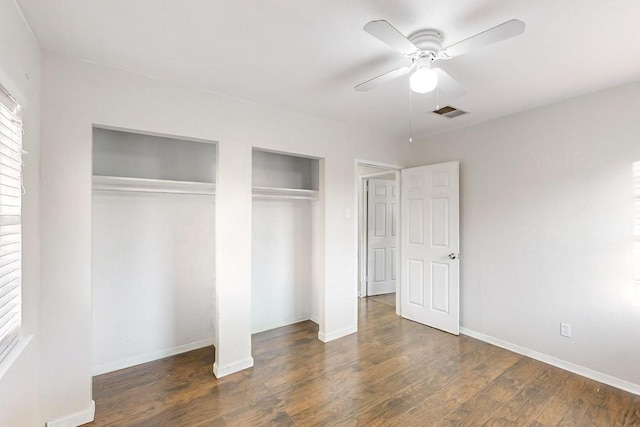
[428, 41]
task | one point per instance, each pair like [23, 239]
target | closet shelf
[145, 185]
[284, 193]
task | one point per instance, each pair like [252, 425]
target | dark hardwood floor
[392, 372]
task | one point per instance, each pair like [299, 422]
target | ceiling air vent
[450, 112]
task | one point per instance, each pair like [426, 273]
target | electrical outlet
[565, 329]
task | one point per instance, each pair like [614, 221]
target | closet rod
[283, 197]
[144, 185]
[154, 190]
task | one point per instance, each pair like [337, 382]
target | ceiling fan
[425, 47]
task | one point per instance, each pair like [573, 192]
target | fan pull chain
[410, 117]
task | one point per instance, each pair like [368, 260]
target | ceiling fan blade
[389, 35]
[448, 84]
[383, 78]
[496, 34]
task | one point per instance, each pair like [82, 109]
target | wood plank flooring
[393, 372]
[388, 299]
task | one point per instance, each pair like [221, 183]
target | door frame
[361, 229]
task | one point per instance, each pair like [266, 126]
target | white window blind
[10, 224]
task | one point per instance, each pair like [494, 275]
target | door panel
[416, 282]
[429, 233]
[381, 236]
[440, 222]
[416, 215]
[392, 261]
[380, 220]
[380, 266]
[440, 288]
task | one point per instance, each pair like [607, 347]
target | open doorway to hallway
[378, 233]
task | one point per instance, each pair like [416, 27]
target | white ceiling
[306, 56]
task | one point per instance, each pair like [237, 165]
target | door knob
[453, 256]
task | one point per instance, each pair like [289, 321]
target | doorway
[378, 233]
[423, 239]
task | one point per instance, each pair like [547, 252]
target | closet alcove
[284, 216]
[153, 272]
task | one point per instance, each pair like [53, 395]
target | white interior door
[430, 245]
[382, 236]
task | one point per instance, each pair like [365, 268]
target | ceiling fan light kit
[423, 80]
[425, 47]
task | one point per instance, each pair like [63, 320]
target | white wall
[232, 326]
[546, 228]
[118, 153]
[283, 171]
[281, 263]
[153, 276]
[20, 74]
[75, 96]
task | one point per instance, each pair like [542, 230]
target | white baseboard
[149, 357]
[273, 325]
[381, 289]
[77, 419]
[558, 363]
[337, 334]
[220, 372]
[314, 319]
